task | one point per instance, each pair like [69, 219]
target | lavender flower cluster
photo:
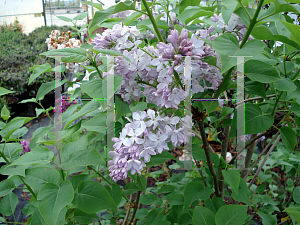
[25, 145]
[153, 68]
[147, 134]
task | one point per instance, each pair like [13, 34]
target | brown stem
[208, 158]
[128, 211]
[224, 147]
[135, 206]
[259, 157]
[247, 145]
[264, 161]
[200, 171]
[249, 155]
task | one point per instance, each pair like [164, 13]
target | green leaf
[36, 217]
[227, 45]
[4, 91]
[68, 54]
[214, 204]
[122, 108]
[13, 125]
[66, 19]
[194, 191]
[286, 84]
[53, 198]
[296, 194]
[6, 186]
[294, 29]
[230, 6]
[38, 70]
[93, 197]
[88, 107]
[177, 199]
[5, 114]
[8, 204]
[45, 88]
[131, 188]
[160, 159]
[295, 108]
[166, 189]
[141, 213]
[255, 120]
[84, 158]
[263, 33]
[103, 14]
[116, 193]
[203, 216]
[231, 215]
[288, 137]
[153, 216]
[96, 5]
[80, 16]
[295, 94]
[38, 155]
[185, 3]
[232, 177]
[260, 71]
[192, 13]
[210, 106]
[141, 182]
[39, 176]
[97, 88]
[19, 133]
[243, 194]
[13, 170]
[148, 199]
[295, 212]
[84, 218]
[131, 18]
[97, 123]
[107, 52]
[141, 106]
[267, 219]
[255, 88]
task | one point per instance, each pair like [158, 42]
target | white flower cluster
[55, 41]
[147, 134]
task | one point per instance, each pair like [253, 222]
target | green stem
[168, 13]
[144, 82]
[95, 65]
[245, 9]
[277, 100]
[147, 52]
[158, 34]
[178, 79]
[141, 12]
[21, 178]
[252, 23]
[295, 76]
[46, 112]
[110, 183]
[224, 82]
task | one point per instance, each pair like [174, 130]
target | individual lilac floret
[25, 145]
[147, 134]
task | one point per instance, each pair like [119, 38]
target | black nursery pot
[49, 100]
[2, 177]
[13, 105]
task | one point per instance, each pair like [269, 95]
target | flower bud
[211, 29]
